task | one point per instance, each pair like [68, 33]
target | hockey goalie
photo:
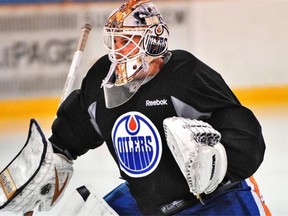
[182, 142]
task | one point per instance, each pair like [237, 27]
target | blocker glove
[35, 179]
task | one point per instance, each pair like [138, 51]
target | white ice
[98, 169]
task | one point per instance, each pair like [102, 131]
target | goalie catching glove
[35, 179]
[198, 152]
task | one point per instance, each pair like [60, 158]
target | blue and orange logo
[137, 144]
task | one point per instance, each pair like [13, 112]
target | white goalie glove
[198, 152]
[35, 179]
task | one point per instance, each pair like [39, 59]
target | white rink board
[40, 43]
[245, 41]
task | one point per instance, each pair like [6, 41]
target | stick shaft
[75, 62]
[85, 30]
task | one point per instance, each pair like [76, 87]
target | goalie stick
[85, 30]
[4, 182]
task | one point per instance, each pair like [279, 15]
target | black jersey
[134, 131]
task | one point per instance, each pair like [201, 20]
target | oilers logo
[137, 144]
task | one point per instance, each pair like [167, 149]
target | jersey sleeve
[206, 91]
[240, 130]
[72, 131]
[242, 138]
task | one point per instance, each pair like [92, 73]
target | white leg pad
[94, 204]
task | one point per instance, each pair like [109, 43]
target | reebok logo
[156, 102]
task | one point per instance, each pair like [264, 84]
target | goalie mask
[134, 35]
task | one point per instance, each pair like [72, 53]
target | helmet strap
[109, 75]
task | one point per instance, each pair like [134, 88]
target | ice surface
[98, 169]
